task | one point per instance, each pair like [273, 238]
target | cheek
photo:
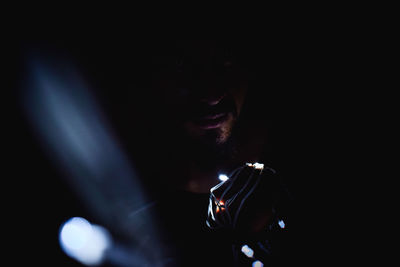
[169, 96]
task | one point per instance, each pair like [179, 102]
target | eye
[179, 64]
[228, 63]
[227, 67]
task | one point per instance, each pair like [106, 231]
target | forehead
[201, 48]
[199, 51]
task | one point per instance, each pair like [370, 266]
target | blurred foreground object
[74, 133]
[83, 241]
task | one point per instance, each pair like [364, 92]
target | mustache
[198, 109]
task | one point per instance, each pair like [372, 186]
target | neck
[199, 181]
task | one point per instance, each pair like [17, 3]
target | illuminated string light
[220, 205]
[247, 251]
[281, 224]
[223, 177]
[258, 166]
[258, 264]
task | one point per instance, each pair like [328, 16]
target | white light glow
[258, 166]
[258, 264]
[83, 241]
[223, 177]
[281, 224]
[247, 251]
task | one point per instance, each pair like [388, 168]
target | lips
[204, 116]
[211, 121]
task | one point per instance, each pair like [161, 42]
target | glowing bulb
[258, 166]
[281, 224]
[258, 264]
[223, 177]
[220, 205]
[83, 241]
[247, 251]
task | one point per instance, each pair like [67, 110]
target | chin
[218, 135]
[225, 131]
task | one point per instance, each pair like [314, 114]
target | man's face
[203, 88]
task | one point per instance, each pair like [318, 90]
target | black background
[316, 73]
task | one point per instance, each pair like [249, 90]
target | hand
[246, 202]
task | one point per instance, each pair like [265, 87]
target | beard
[210, 150]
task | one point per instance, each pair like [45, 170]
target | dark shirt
[188, 240]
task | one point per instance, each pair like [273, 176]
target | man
[185, 101]
[191, 129]
[202, 89]
[186, 112]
